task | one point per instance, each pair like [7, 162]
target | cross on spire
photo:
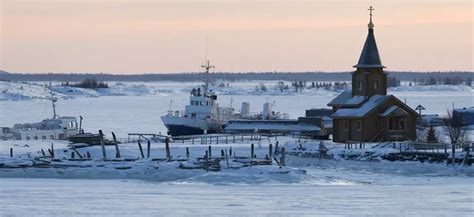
[371, 25]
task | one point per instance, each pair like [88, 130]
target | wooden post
[52, 150]
[282, 158]
[88, 155]
[167, 147]
[192, 140]
[230, 151]
[226, 159]
[320, 150]
[117, 150]
[207, 161]
[233, 138]
[270, 151]
[141, 149]
[276, 148]
[210, 152]
[400, 147]
[102, 144]
[42, 152]
[226, 141]
[11, 152]
[77, 152]
[252, 150]
[222, 153]
[453, 150]
[217, 139]
[187, 152]
[72, 155]
[148, 147]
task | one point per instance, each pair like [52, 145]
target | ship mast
[53, 101]
[206, 67]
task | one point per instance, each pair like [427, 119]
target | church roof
[363, 110]
[394, 110]
[346, 99]
[370, 58]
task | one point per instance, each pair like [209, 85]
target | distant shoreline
[227, 76]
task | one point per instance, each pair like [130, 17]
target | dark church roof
[369, 58]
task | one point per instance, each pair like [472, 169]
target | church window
[346, 125]
[359, 125]
[376, 85]
[376, 125]
[360, 85]
[390, 124]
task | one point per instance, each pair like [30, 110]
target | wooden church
[367, 113]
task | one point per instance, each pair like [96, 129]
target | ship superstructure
[202, 115]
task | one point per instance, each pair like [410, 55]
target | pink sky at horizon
[144, 36]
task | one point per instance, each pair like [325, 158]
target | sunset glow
[169, 36]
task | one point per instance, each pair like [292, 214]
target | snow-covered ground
[36, 90]
[328, 188]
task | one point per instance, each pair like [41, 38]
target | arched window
[376, 85]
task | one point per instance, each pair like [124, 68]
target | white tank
[267, 110]
[245, 109]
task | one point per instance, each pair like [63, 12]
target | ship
[202, 115]
[55, 128]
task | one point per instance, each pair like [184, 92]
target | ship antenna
[206, 67]
[53, 101]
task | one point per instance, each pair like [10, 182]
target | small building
[367, 113]
[463, 116]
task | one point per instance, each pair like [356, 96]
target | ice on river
[328, 188]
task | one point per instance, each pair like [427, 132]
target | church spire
[369, 58]
[371, 25]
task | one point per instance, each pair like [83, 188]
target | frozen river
[337, 190]
[329, 193]
[124, 114]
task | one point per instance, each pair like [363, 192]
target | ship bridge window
[43, 137]
[51, 136]
[193, 115]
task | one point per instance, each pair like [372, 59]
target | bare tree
[455, 131]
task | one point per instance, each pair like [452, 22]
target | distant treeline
[236, 76]
[89, 83]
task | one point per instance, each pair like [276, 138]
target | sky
[169, 36]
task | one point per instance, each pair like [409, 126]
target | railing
[176, 113]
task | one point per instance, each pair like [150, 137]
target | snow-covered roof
[346, 98]
[394, 110]
[368, 106]
[468, 110]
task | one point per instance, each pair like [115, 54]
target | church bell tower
[369, 78]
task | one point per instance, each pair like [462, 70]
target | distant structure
[367, 113]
